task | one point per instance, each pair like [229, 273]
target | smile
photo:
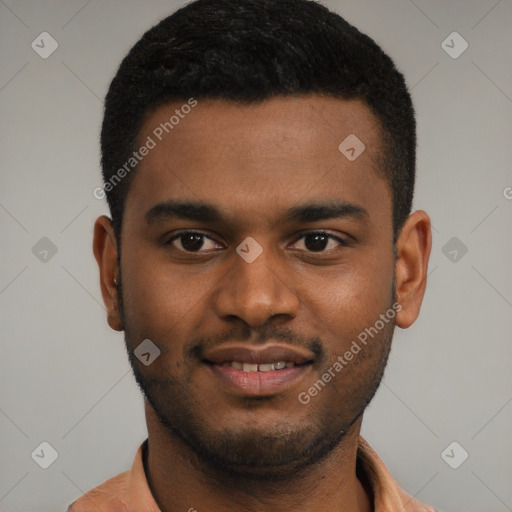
[263, 367]
[258, 370]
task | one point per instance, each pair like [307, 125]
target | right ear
[104, 247]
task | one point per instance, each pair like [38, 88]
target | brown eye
[319, 241]
[316, 241]
[192, 241]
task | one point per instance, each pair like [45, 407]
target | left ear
[413, 251]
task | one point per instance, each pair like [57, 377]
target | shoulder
[388, 495]
[411, 504]
[107, 497]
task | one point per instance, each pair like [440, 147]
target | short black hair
[247, 51]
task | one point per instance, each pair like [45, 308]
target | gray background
[64, 375]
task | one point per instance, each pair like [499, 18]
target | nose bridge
[253, 289]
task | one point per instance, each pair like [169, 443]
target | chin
[263, 457]
[275, 452]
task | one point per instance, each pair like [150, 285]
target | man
[259, 164]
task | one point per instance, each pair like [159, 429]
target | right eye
[193, 241]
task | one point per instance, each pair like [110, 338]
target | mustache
[197, 347]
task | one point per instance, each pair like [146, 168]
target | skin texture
[209, 447]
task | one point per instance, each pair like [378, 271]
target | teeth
[248, 367]
[263, 367]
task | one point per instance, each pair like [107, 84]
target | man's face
[322, 276]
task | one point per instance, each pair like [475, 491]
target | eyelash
[342, 243]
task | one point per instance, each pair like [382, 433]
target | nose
[255, 292]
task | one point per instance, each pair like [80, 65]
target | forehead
[261, 159]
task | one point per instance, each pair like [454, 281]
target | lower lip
[259, 383]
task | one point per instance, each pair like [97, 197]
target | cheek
[353, 299]
[161, 303]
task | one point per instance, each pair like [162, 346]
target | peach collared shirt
[129, 491]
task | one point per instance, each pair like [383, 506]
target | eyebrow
[208, 213]
[313, 212]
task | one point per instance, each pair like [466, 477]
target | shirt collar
[387, 495]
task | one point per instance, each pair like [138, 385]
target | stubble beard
[282, 452]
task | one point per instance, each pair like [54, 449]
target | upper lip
[258, 354]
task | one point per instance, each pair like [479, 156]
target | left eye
[319, 241]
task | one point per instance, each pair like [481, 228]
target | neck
[180, 481]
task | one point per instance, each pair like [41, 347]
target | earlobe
[105, 252]
[413, 252]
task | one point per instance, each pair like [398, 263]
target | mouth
[258, 370]
[261, 367]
